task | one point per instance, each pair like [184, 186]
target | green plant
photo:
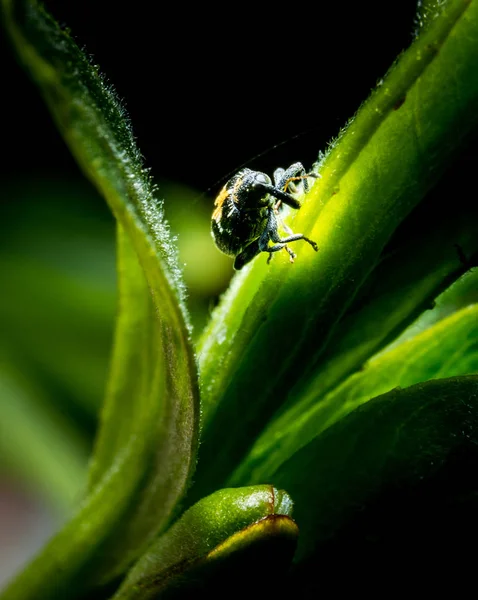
[301, 368]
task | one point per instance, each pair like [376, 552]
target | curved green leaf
[276, 318]
[427, 11]
[398, 443]
[145, 402]
[462, 293]
[217, 542]
[445, 350]
[403, 285]
[146, 447]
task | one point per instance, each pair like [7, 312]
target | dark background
[209, 87]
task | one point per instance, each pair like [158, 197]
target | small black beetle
[246, 216]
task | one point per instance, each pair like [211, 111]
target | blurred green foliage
[57, 310]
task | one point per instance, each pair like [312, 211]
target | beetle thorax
[247, 191]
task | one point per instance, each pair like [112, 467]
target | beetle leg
[292, 254]
[279, 194]
[249, 252]
[285, 227]
[282, 176]
[291, 238]
[271, 233]
[284, 179]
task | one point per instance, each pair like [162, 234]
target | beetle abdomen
[232, 227]
[233, 233]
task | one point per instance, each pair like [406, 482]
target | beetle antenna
[264, 152]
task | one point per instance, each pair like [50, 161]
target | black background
[209, 87]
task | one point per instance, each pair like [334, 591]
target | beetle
[246, 214]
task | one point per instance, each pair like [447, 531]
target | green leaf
[403, 285]
[215, 543]
[388, 453]
[462, 293]
[427, 11]
[146, 447]
[160, 421]
[275, 317]
[445, 350]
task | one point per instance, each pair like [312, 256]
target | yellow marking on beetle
[237, 185]
[219, 202]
